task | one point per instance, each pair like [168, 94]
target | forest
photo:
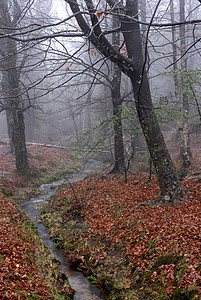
[100, 137]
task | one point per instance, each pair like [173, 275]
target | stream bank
[27, 269]
[127, 248]
[83, 289]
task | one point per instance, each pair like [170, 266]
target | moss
[166, 260]
[182, 294]
[180, 271]
[60, 172]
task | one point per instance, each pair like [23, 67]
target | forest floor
[27, 269]
[131, 250]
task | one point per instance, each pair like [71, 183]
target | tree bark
[13, 101]
[9, 126]
[185, 151]
[181, 97]
[119, 164]
[5, 89]
[17, 124]
[165, 171]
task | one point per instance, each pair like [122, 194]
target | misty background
[65, 82]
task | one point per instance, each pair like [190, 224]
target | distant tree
[184, 79]
[18, 62]
[185, 151]
[92, 30]
[117, 100]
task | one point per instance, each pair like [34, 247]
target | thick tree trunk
[15, 110]
[5, 89]
[14, 116]
[18, 140]
[143, 18]
[13, 101]
[166, 174]
[16, 123]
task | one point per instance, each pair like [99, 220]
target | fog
[65, 83]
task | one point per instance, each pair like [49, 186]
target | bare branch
[191, 46]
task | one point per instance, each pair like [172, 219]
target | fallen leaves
[162, 237]
[109, 235]
[25, 271]
[18, 273]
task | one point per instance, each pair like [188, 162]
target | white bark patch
[167, 198]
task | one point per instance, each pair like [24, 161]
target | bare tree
[11, 87]
[91, 29]
[134, 67]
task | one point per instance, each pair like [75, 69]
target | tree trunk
[5, 89]
[143, 18]
[18, 139]
[185, 151]
[165, 172]
[181, 97]
[9, 126]
[16, 115]
[13, 101]
[119, 164]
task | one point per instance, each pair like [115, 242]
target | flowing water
[83, 289]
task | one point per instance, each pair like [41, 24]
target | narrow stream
[83, 289]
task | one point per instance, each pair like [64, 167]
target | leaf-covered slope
[27, 269]
[134, 250]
